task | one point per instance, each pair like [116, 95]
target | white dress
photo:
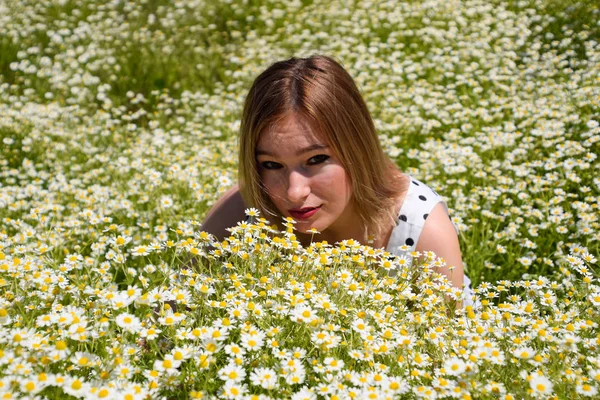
[418, 203]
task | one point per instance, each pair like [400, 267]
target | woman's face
[303, 177]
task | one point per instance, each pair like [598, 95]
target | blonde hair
[320, 90]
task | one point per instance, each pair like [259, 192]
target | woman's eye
[318, 159]
[270, 165]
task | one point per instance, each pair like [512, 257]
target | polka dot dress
[418, 204]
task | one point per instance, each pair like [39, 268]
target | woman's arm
[439, 236]
[226, 212]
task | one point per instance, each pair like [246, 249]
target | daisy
[303, 313]
[214, 333]
[421, 360]
[233, 373]
[168, 365]
[60, 350]
[333, 364]
[182, 353]
[75, 386]
[140, 251]
[298, 353]
[264, 377]
[296, 378]
[595, 298]
[454, 366]
[252, 342]
[83, 359]
[31, 386]
[104, 392]
[171, 318]
[304, 394]
[524, 353]
[150, 333]
[540, 385]
[360, 326]
[425, 392]
[396, 386]
[234, 390]
[234, 350]
[134, 392]
[129, 322]
[496, 388]
[585, 389]
[282, 354]
[120, 240]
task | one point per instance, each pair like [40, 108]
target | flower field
[118, 123]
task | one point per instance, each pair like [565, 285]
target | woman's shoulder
[422, 206]
[417, 201]
[225, 213]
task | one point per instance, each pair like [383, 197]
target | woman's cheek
[273, 184]
[334, 176]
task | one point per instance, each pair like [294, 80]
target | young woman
[309, 150]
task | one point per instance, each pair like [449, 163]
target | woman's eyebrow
[316, 146]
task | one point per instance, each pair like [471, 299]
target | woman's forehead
[294, 121]
[290, 128]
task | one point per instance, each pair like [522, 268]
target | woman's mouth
[303, 213]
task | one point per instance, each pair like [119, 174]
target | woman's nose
[298, 187]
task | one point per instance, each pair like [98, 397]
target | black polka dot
[422, 197]
[425, 216]
[415, 183]
[409, 242]
[403, 218]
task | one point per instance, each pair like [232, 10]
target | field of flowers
[118, 124]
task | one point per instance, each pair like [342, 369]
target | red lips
[303, 213]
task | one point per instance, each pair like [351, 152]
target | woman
[309, 150]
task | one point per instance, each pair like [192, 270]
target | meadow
[118, 124]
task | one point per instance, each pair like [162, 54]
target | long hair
[320, 90]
